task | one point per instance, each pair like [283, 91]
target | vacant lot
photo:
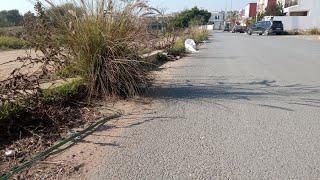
[6, 66]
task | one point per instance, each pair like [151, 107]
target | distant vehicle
[239, 29]
[266, 28]
[227, 27]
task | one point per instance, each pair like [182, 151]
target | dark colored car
[266, 27]
[239, 29]
[226, 28]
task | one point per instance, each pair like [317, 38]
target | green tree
[191, 17]
[14, 17]
[233, 18]
[10, 18]
[275, 10]
[3, 19]
[260, 16]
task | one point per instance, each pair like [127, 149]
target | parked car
[226, 28]
[239, 29]
[266, 28]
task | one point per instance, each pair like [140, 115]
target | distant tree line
[10, 18]
[191, 17]
[14, 18]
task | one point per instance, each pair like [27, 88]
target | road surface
[245, 107]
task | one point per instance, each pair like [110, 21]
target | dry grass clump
[314, 31]
[99, 39]
[105, 50]
[96, 41]
[199, 35]
[177, 48]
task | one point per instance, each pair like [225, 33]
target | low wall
[298, 22]
[207, 27]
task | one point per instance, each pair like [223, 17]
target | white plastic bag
[190, 46]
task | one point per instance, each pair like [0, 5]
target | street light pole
[225, 13]
[231, 6]
[226, 9]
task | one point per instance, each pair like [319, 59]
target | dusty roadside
[306, 37]
[80, 158]
[6, 64]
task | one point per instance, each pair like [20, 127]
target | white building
[250, 11]
[217, 19]
[300, 14]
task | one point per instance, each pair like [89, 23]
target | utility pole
[231, 6]
[225, 12]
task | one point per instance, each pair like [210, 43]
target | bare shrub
[314, 31]
[98, 40]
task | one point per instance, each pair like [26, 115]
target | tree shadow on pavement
[261, 90]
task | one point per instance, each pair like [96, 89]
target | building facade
[250, 11]
[300, 14]
[302, 8]
[217, 19]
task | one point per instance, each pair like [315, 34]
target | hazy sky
[168, 5]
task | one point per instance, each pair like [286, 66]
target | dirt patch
[7, 66]
[33, 130]
[78, 160]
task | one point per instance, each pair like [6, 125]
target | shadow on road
[255, 90]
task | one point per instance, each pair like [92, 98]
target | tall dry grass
[314, 31]
[100, 39]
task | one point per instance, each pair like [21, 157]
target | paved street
[244, 107]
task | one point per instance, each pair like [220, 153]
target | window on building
[299, 13]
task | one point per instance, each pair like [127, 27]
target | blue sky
[168, 5]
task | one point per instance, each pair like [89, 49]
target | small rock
[77, 168]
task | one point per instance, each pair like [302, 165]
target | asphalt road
[245, 107]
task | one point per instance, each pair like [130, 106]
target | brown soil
[7, 66]
[76, 161]
[40, 127]
[43, 126]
